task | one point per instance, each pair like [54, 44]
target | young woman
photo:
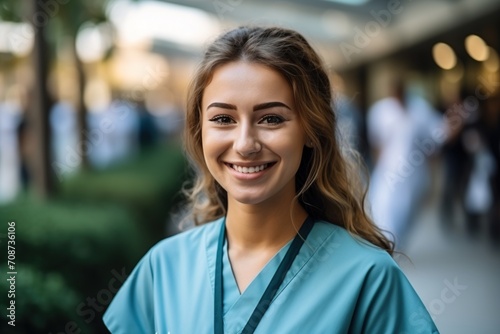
[284, 245]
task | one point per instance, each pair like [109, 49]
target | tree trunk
[40, 106]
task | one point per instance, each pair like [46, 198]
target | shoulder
[385, 301]
[348, 241]
[352, 251]
[188, 242]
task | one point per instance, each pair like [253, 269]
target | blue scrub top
[337, 284]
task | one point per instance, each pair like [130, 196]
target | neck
[263, 227]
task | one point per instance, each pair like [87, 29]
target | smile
[249, 170]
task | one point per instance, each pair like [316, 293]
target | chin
[249, 199]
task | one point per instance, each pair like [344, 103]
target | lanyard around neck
[271, 289]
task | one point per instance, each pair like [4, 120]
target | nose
[246, 142]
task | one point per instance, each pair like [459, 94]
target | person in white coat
[403, 131]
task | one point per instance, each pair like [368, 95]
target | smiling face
[252, 137]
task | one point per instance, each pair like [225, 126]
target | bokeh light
[476, 48]
[444, 56]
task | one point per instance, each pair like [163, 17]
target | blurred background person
[63, 123]
[400, 135]
[456, 162]
[14, 143]
[478, 193]
[481, 140]
[492, 141]
[349, 118]
[148, 129]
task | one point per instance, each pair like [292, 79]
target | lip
[249, 176]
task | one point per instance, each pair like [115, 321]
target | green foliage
[10, 10]
[72, 13]
[102, 222]
[82, 230]
[64, 252]
[148, 186]
[42, 299]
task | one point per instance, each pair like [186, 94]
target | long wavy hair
[328, 182]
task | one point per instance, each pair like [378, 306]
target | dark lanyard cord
[272, 288]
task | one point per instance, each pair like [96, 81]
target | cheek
[206, 145]
[291, 155]
[290, 142]
[294, 148]
[213, 143]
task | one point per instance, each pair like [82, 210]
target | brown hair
[328, 183]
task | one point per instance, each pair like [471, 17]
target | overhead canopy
[347, 32]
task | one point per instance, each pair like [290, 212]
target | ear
[309, 143]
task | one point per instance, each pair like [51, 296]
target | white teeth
[249, 170]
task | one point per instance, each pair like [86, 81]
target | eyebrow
[266, 105]
[221, 105]
[269, 105]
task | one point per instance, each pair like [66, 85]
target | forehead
[240, 81]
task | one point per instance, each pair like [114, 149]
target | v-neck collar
[238, 307]
[257, 286]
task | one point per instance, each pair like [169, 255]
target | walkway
[457, 277]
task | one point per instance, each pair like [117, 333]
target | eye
[272, 119]
[222, 119]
